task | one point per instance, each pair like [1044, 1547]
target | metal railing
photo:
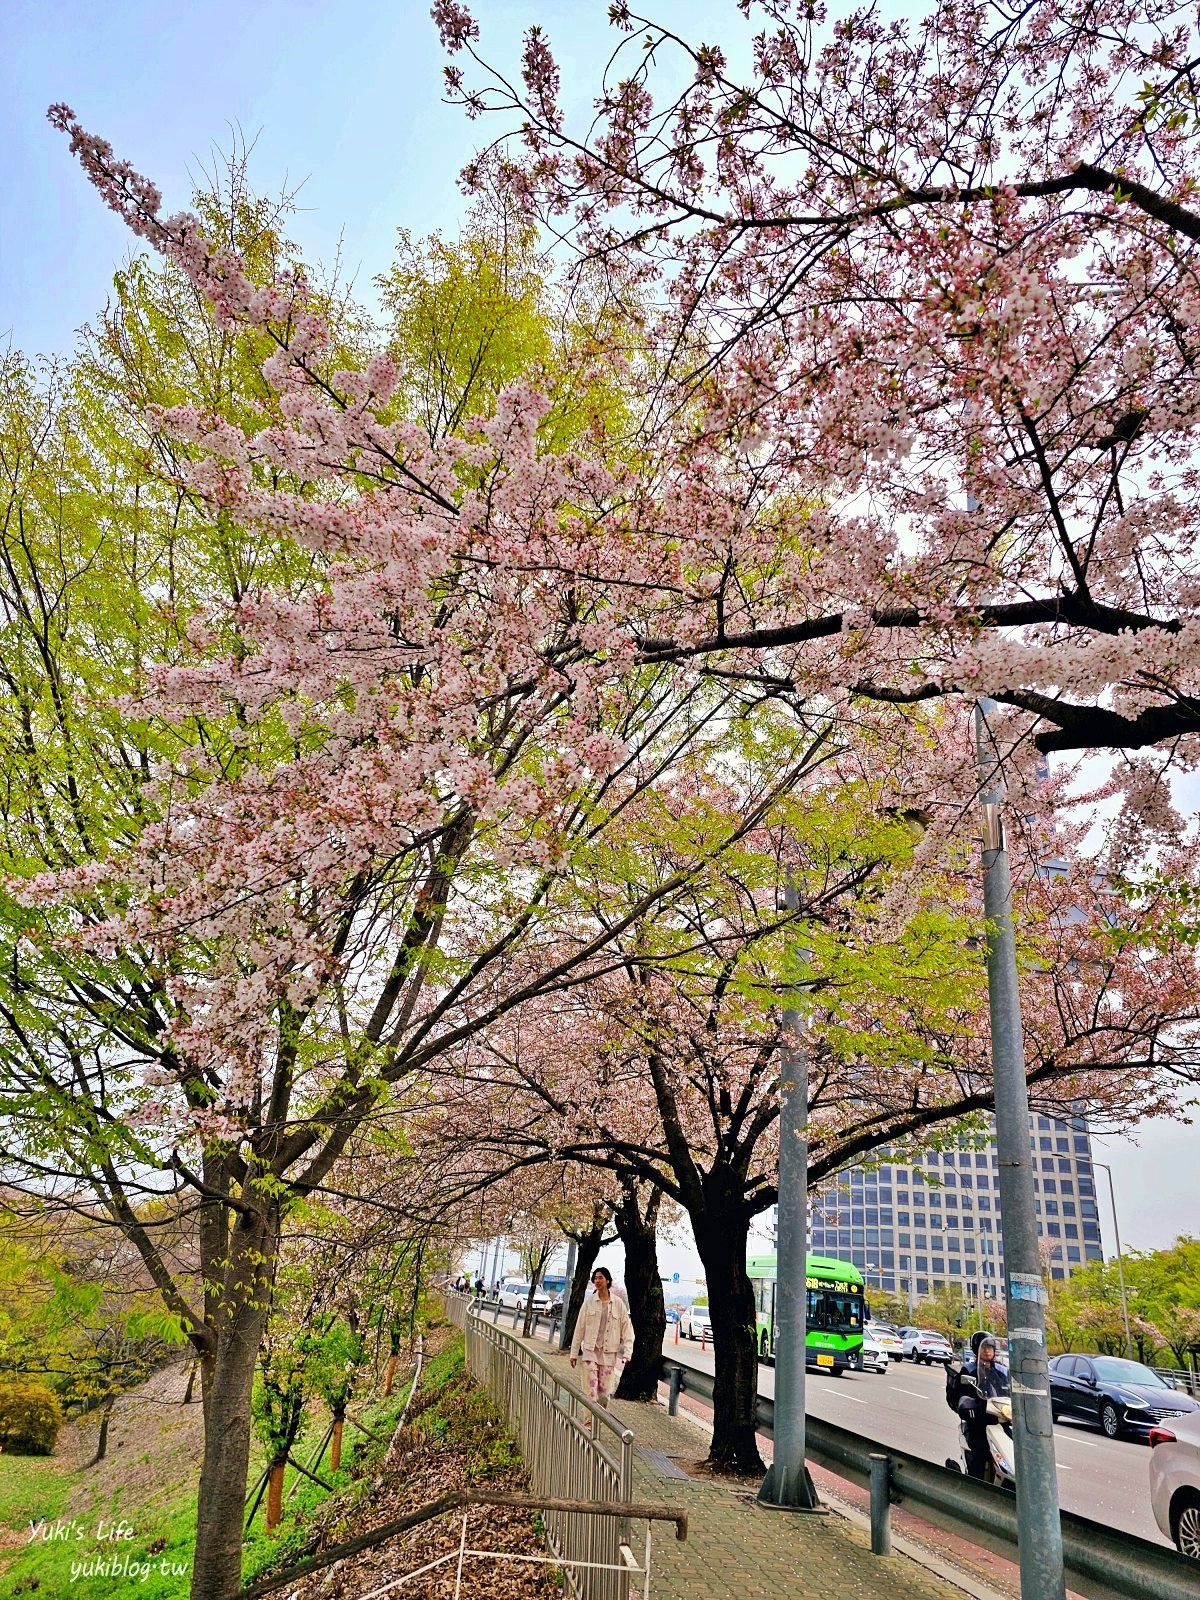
[1101, 1563]
[627, 1568]
[1174, 1375]
[574, 1450]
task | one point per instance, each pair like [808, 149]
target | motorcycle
[1001, 1464]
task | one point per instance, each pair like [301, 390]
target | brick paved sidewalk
[736, 1550]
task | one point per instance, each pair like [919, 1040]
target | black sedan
[1118, 1396]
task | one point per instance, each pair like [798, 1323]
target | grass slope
[127, 1526]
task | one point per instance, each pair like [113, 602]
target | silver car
[1175, 1481]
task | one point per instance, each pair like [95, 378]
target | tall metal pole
[787, 1484]
[1112, 1200]
[1039, 1530]
[496, 1274]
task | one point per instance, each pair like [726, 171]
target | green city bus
[836, 1310]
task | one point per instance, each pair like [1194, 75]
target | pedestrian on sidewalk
[603, 1339]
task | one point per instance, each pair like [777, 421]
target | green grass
[156, 1562]
[30, 1487]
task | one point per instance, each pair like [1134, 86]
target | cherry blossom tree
[662, 1063]
[369, 789]
[943, 269]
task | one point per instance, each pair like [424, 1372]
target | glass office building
[935, 1218]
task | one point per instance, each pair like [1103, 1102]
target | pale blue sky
[344, 95]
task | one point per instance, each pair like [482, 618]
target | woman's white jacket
[618, 1336]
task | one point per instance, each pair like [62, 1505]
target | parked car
[672, 1314]
[1116, 1395]
[1175, 1482]
[513, 1292]
[874, 1356]
[923, 1344]
[695, 1323]
[888, 1337]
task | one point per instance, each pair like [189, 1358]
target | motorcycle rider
[986, 1377]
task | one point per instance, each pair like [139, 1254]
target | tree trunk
[275, 1495]
[335, 1448]
[191, 1383]
[588, 1248]
[721, 1238]
[638, 1230]
[102, 1439]
[228, 1382]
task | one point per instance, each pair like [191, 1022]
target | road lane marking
[913, 1392]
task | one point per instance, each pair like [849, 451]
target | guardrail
[1174, 1375]
[1100, 1562]
[459, 1303]
[574, 1450]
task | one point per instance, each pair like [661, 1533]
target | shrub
[30, 1417]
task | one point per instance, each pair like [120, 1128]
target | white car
[1175, 1481]
[874, 1356]
[886, 1336]
[696, 1324]
[514, 1293]
[923, 1344]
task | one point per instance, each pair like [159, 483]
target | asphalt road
[1104, 1479]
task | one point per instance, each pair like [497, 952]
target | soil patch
[155, 1446]
[454, 1440]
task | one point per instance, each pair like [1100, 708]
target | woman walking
[603, 1338]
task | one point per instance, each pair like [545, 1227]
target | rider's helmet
[978, 1338]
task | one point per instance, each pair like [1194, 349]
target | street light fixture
[1112, 1200]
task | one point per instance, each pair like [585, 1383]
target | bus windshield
[834, 1311]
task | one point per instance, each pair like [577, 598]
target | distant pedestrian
[603, 1339]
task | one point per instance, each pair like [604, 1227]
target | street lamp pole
[1039, 1528]
[787, 1485]
[1112, 1200]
